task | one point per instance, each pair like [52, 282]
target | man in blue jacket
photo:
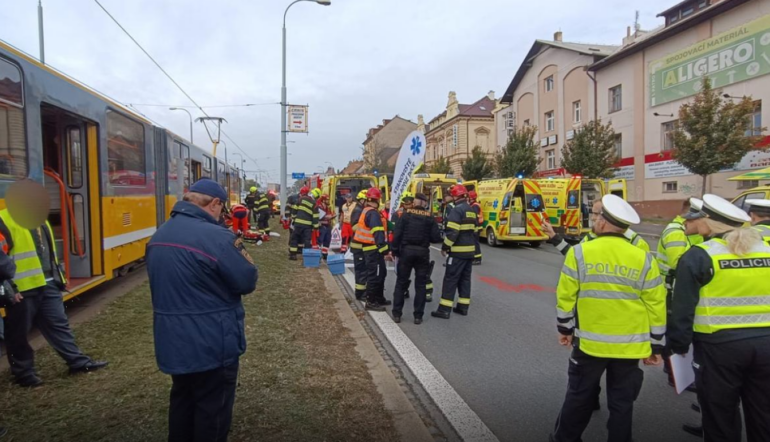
[198, 272]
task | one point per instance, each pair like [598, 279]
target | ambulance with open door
[435, 186]
[568, 201]
[337, 186]
[513, 210]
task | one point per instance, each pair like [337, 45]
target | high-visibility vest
[614, 293]
[634, 238]
[672, 245]
[29, 269]
[737, 295]
[364, 234]
[764, 231]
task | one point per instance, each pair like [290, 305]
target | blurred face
[596, 218]
[702, 228]
[408, 204]
[28, 203]
[691, 227]
[215, 208]
[448, 199]
[757, 218]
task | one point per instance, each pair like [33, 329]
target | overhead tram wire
[196, 107]
[170, 77]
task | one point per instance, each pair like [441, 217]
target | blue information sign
[297, 175]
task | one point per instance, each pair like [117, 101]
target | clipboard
[684, 374]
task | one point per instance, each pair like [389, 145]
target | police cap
[420, 196]
[759, 207]
[618, 212]
[721, 210]
[696, 209]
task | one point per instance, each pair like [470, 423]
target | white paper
[684, 375]
[321, 214]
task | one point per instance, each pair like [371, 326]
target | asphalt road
[504, 360]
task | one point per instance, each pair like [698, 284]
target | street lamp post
[191, 120]
[284, 103]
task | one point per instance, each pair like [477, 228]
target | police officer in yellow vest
[759, 211]
[40, 279]
[722, 306]
[611, 309]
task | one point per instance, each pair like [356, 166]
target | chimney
[491, 95]
[557, 36]
[628, 31]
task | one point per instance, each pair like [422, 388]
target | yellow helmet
[361, 195]
[316, 192]
[407, 195]
[253, 189]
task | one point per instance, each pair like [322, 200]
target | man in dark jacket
[198, 273]
[251, 203]
[415, 230]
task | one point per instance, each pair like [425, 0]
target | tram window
[74, 158]
[184, 153]
[206, 167]
[13, 151]
[78, 207]
[125, 151]
[221, 174]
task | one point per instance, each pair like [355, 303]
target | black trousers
[429, 282]
[477, 256]
[417, 258]
[44, 308]
[263, 221]
[359, 268]
[457, 278]
[201, 405]
[624, 381]
[729, 374]
[300, 238]
[375, 277]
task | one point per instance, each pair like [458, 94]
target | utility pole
[40, 30]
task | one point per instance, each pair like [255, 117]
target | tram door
[69, 151]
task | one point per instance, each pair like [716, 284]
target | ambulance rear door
[384, 189]
[572, 217]
[535, 208]
[618, 187]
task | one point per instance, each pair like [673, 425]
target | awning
[761, 174]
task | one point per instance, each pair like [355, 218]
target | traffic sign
[298, 175]
[297, 118]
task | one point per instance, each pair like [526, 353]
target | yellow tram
[112, 175]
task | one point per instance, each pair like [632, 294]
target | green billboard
[730, 57]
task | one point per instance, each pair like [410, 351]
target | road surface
[504, 360]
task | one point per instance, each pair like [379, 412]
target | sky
[354, 63]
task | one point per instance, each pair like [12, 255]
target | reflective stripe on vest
[613, 320]
[664, 244]
[738, 295]
[364, 234]
[29, 269]
[764, 231]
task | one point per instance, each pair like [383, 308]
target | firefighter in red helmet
[460, 247]
[370, 233]
[305, 220]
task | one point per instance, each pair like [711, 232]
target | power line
[170, 77]
[196, 107]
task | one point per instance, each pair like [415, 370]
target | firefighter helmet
[253, 189]
[459, 191]
[361, 195]
[473, 195]
[407, 196]
[316, 193]
[373, 194]
[304, 190]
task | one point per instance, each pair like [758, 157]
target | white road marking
[465, 421]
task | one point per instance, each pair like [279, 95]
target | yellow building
[455, 132]
[383, 143]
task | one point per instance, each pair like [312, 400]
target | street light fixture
[284, 102]
[191, 120]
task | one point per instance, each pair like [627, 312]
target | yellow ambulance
[337, 186]
[513, 210]
[435, 186]
[568, 201]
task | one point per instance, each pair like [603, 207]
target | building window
[577, 112]
[670, 186]
[549, 121]
[13, 144]
[673, 18]
[616, 98]
[619, 146]
[667, 132]
[455, 129]
[549, 83]
[755, 120]
[688, 11]
[125, 151]
[750, 184]
[550, 158]
[702, 4]
[526, 122]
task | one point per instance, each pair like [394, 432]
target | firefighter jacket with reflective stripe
[29, 269]
[370, 231]
[737, 296]
[290, 206]
[612, 298]
[355, 215]
[306, 212]
[672, 245]
[460, 232]
[480, 214]
[764, 229]
[250, 200]
[261, 204]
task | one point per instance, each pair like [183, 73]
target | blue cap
[208, 187]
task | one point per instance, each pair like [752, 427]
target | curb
[407, 421]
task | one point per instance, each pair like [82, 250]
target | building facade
[454, 133]
[643, 84]
[553, 91]
[383, 142]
